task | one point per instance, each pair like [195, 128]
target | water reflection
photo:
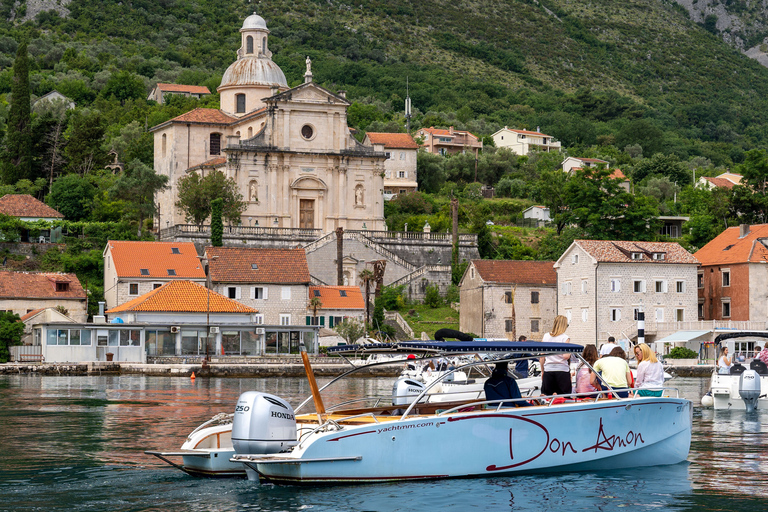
[76, 443]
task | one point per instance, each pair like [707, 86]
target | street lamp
[204, 261]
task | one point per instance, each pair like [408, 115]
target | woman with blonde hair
[556, 369]
[650, 372]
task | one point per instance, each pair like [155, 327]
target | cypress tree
[18, 140]
[217, 224]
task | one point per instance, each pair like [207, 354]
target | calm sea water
[77, 443]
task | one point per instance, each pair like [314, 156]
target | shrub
[682, 353]
[432, 297]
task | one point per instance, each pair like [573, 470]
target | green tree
[195, 194]
[432, 297]
[84, 137]
[659, 166]
[137, 185]
[11, 330]
[124, 86]
[72, 196]
[217, 223]
[350, 329]
[17, 161]
[750, 197]
[430, 172]
[550, 190]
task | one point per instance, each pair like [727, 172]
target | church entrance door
[307, 213]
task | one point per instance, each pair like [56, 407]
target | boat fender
[405, 391]
[262, 424]
[707, 400]
[749, 389]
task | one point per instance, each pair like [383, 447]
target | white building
[538, 213]
[521, 142]
[400, 165]
[603, 284]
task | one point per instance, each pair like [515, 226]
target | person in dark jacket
[500, 386]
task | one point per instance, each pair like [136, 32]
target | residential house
[24, 292]
[573, 162]
[26, 208]
[160, 91]
[448, 142]
[672, 225]
[400, 165]
[538, 213]
[274, 281]
[603, 284]
[132, 269]
[733, 277]
[502, 297]
[338, 303]
[521, 142]
[726, 180]
[54, 97]
[190, 311]
[38, 316]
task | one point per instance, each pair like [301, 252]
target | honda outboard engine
[749, 389]
[262, 424]
[405, 390]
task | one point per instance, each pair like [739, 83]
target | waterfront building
[502, 297]
[337, 303]
[132, 269]
[603, 284]
[25, 292]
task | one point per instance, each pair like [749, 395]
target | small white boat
[207, 450]
[358, 442]
[726, 390]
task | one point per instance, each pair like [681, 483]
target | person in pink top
[584, 373]
[763, 355]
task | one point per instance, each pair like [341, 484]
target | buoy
[192, 377]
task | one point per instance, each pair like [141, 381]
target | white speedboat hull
[724, 390]
[609, 434]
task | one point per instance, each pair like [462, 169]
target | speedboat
[207, 450]
[368, 440]
[740, 389]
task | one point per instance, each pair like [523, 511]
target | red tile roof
[516, 272]
[607, 251]
[156, 258]
[204, 115]
[273, 266]
[720, 182]
[332, 298]
[727, 247]
[617, 174]
[192, 89]
[393, 140]
[42, 285]
[24, 205]
[526, 132]
[591, 160]
[31, 314]
[183, 297]
[439, 131]
[213, 162]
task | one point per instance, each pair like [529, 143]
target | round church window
[307, 131]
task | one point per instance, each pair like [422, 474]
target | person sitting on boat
[763, 355]
[650, 372]
[615, 372]
[607, 347]
[521, 366]
[724, 363]
[584, 373]
[501, 386]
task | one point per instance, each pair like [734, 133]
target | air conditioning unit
[259, 330]
[214, 329]
[175, 329]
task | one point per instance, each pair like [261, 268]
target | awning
[684, 336]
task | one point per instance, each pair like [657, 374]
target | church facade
[289, 150]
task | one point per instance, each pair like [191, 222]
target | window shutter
[322, 320]
[264, 293]
[330, 322]
[237, 293]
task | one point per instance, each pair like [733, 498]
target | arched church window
[249, 44]
[164, 145]
[264, 45]
[215, 143]
[240, 99]
[250, 132]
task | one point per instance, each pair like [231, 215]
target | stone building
[338, 304]
[490, 289]
[733, 277]
[273, 281]
[132, 269]
[160, 91]
[439, 141]
[603, 284]
[25, 292]
[289, 150]
[400, 165]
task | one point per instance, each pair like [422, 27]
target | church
[289, 150]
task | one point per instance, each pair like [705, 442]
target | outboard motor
[405, 390]
[749, 389]
[262, 424]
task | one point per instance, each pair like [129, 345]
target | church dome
[254, 71]
[254, 21]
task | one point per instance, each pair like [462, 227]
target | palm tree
[314, 304]
[366, 276]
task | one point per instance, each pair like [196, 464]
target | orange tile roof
[204, 115]
[42, 285]
[332, 298]
[720, 182]
[439, 131]
[156, 258]
[273, 266]
[183, 297]
[591, 160]
[192, 89]
[516, 272]
[213, 162]
[31, 314]
[608, 251]
[527, 132]
[393, 140]
[728, 248]
[617, 174]
[24, 205]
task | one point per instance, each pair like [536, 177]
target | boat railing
[377, 399]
